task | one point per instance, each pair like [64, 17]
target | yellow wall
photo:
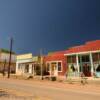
[35, 58]
[24, 56]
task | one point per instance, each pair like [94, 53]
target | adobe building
[4, 61]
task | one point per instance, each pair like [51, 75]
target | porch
[84, 63]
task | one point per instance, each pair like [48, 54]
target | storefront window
[59, 66]
[85, 58]
[48, 67]
[96, 57]
[98, 69]
[19, 66]
[26, 68]
[71, 59]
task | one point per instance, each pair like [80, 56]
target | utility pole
[11, 42]
[41, 64]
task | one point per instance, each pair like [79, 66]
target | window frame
[50, 62]
[47, 66]
[60, 66]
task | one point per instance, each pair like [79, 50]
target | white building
[26, 64]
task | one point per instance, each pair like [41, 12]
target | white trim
[86, 52]
[61, 66]
[91, 61]
[56, 63]
[77, 63]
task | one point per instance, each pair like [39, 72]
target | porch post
[30, 68]
[50, 69]
[33, 69]
[56, 68]
[77, 63]
[17, 64]
[23, 68]
[81, 66]
[91, 61]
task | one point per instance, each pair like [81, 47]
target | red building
[56, 63]
[79, 59]
[85, 58]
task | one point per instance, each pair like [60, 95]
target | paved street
[52, 92]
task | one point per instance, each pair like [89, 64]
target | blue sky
[48, 24]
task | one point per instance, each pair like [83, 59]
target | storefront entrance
[54, 69]
[87, 70]
[85, 65]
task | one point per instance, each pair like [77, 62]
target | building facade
[28, 64]
[24, 64]
[55, 64]
[78, 60]
[84, 59]
[4, 61]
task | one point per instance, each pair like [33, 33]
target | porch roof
[92, 46]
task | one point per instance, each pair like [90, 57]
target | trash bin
[53, 78]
